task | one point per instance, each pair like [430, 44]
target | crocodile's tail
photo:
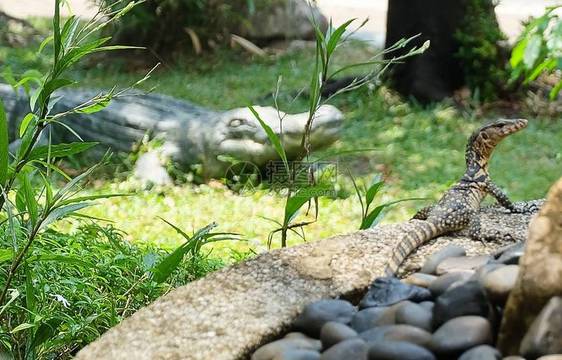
[420, 233]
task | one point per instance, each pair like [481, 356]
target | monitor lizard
[457, 208]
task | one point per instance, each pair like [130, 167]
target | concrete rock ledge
[231, 312]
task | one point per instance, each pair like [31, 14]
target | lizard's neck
[477, 160]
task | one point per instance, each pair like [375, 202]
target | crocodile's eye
[236, 122]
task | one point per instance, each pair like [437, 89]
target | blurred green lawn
[418, 150]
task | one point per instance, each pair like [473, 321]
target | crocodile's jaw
[244, 138]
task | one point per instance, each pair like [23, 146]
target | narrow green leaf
[54, 168]
[29, 76]
[91, 197]
[95, 107]
[162, 271]
[50, 87]
[74, 182]
[14, 294]
[60, 150]
[30, 298]
[29, 196]
[48, 190]
[4, 156]
[46, 331]
[374, 215]
[555, 91]
[6, 255]
[117, 47]
[45, 43]
[68, 31]
[21, 327]
[373, 191]
[178, 230]
[301, 197]
[335, 37]
[66, 259]
[56, 31]
[273, 138]
[20, 200]
[27, 139]
[78, 53]
[532, 51]
[518, 52]
[546, 65]
[25, 123]
[62, 212]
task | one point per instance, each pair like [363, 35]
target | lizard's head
[495, 132]
[483, 141]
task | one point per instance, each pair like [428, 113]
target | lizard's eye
[484, 136]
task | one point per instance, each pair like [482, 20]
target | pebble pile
[450, 309]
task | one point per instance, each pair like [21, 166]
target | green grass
[420, 151]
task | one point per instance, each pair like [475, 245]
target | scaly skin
[456, 209]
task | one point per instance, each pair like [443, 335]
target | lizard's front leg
[503, 200]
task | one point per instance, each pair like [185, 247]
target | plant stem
[17, 261]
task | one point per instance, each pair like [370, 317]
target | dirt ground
[510, 12]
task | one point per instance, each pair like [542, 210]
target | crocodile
[457, 208]
[191, 134]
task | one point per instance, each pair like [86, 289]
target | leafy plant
[29, 201]
[369, 217]
[480, 51]
[191, 247]
[168, 25]
[539, 49]
[86, 282]
[299, 194]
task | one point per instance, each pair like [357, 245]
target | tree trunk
[437, 73]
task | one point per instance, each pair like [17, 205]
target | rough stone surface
[230, 313]
[430, 265]
[545, 335]
[499, 282]
[387, 291]
[460, 334]
[462, 263]
[482, 352]
[392, 350]
[539, 275]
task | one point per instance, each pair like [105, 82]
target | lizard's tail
[420, 233]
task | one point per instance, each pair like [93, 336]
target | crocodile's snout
[243, 136]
